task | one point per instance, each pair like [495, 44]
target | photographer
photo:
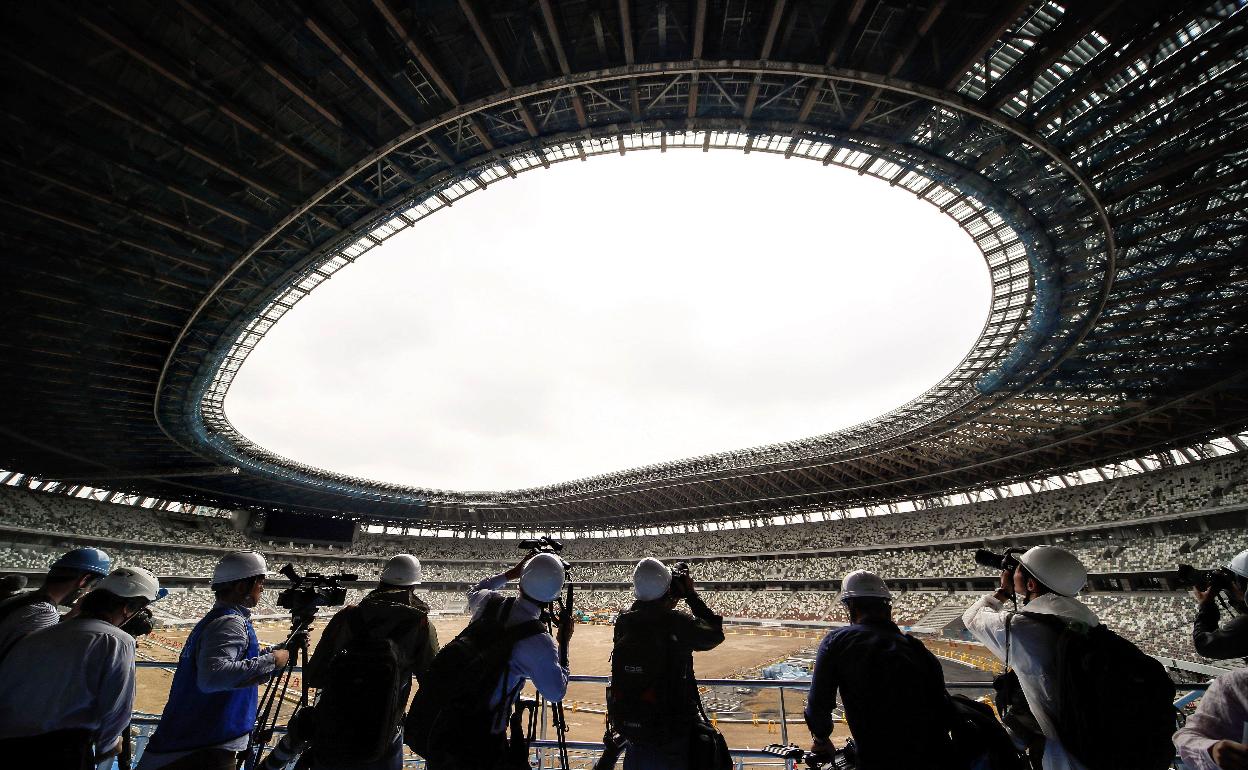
[1047, 579]
[1231, 640]
[212, 702]
[392, 612]
[66, 692]
[69, 577]
[653, 698]
[871, 662]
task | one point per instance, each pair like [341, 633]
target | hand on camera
[685, 582]
[1230, 755]
[281, 658]
[566, 628]
[1205, 596]
[514, 572]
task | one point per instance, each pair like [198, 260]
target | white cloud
[614, 313]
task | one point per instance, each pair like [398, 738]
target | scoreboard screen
[295, 526]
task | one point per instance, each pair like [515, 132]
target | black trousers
[60, 750]
[205, 759]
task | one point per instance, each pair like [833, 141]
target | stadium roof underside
[178, 174]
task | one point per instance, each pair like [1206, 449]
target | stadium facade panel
[219, 163]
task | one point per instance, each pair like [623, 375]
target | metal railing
[587, 751]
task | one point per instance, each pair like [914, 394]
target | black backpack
[451, 714]
[648, 700]
[1116, 703]
[979, 740]
[365, 686]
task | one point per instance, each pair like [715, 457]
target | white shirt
[26, 620]
[1032, 656]
[75, 675]
[535, 658]
[1221, 716]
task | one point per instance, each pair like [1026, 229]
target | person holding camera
[1216, 736]
[1047, 579]
[390, 618]
[212, 701]
[1231, 639]
[66, 692]
[885, 679]
[653, 700]
[69, 578]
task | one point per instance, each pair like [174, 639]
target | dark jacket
[688, 633]
[386, 611]
[891, 686]
[1229, 641]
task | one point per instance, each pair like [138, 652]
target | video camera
[543, 544]
[312, 590]
[1007, 561]
[1219, 579]
[140, 623]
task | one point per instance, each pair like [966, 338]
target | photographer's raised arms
[1223, 586]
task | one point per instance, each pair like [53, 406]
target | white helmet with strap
[239, 565]
[651, 579]
[542, 578]
[132, 583]
[861, 584]
[1057, 569]
[402, 570]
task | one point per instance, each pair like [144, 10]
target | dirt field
[748, 719]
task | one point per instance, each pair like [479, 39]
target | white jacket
[1032, 657]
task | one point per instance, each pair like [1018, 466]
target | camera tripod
[559, 613]
[269, 710]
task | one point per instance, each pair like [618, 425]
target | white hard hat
[129, 582]
[1057, 569]
[861, 584]
[401, 570]
[238, 566]
[651, 579]
[1239, 565]
[542, 578]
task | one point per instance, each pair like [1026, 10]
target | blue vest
[195, 719]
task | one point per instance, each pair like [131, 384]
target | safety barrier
[585, 752]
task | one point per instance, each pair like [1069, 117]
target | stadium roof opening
[539, 333]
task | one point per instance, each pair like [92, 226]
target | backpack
[451, 713]
[362, 699]
[648, 700]
[979, 740]
[1116, 703]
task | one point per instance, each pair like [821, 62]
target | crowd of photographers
[1076, 695]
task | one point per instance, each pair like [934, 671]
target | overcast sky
[614, 313]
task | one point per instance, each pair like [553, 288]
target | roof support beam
[912, 42]
[483, 38]
[427, 66]
[764, 53]
[163, 64]
[834, 52]
[552, 29]
[361, 69]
